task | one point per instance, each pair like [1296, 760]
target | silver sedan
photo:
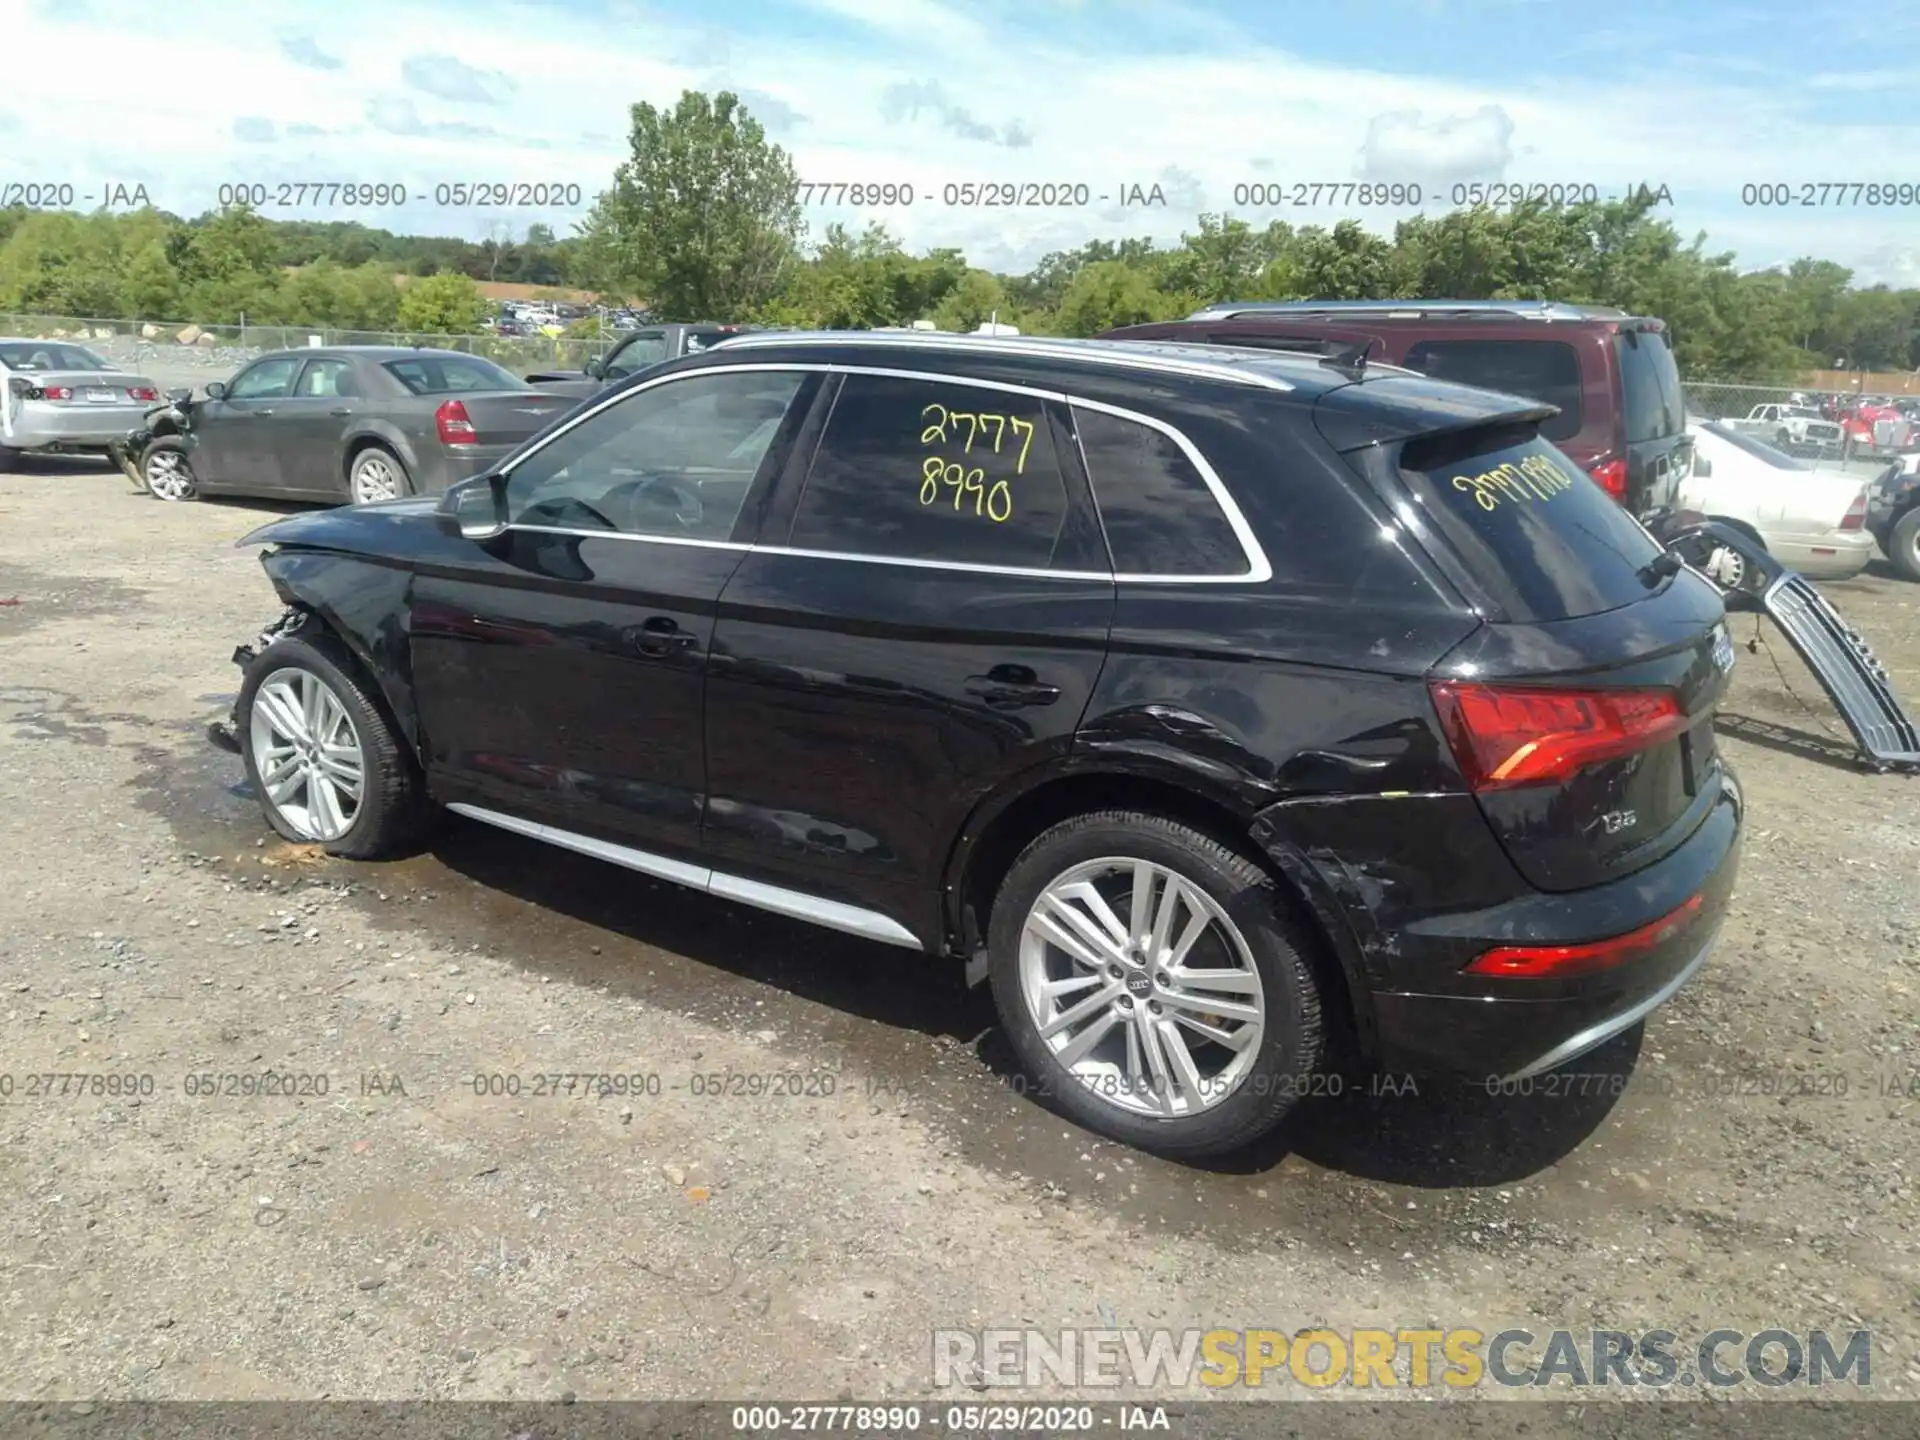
[61, 397]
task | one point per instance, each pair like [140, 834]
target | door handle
[341, 413]
[660, 636]
[1011, 687]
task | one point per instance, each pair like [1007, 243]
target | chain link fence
[180, 352]
[1732, 400]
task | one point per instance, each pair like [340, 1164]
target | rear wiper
[1667, 562]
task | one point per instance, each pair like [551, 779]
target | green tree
[703, 217]
[445, 304]
[1109, 293]
[974, 300]
[151, 289]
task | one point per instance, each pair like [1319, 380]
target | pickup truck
[1792, 428]
[641, 350]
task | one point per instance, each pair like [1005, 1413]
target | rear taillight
[1559, 962]
[1856, 516]
[454, 425]
[143, 392]
[1612, 477]
[1509, 736]
[51, 392]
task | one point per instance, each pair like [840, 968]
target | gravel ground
[401, 1236]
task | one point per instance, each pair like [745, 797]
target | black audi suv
[1221, 709]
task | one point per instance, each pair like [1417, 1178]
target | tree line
[702, 222]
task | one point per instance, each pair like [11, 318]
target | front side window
[674, 459]
[265, 380]
[1159, 514]
[636, 355]
[932, 470]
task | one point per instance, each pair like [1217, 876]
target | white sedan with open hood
[58, 396]
[1810, 517]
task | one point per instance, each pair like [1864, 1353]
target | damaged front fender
[360, 603]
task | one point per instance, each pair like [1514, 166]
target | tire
[9, 457]
[391, 812]
[1903, 545]
[167, 472]
[377, 474]
[1261, 1082]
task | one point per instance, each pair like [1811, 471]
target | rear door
[306, 431]
[1653, 411]
[925, 618]
[1583, 713]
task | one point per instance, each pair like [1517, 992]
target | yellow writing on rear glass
[1535, 477]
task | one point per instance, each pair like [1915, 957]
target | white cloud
[1408, 145]
[969, 100]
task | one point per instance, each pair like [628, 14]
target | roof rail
[1411, 309]
[1166, 357]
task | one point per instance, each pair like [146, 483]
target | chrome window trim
[829, 914]
[1259, 568]
[1092, 352]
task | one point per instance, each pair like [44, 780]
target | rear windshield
[451, 374]
[1543, 539]
[1544, 370]
[41, 355]
[1759, 449]
[1650, 382]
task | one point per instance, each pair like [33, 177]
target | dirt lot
[402, 1236]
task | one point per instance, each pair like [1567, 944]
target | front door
[560, 671]
[234, 449]
[929, 625]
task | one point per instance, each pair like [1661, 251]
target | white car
[59, 397]
[1810, 517]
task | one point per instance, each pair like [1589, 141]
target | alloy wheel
[307, 753]
[374, 478]
[168, 475]
[1159, 1013]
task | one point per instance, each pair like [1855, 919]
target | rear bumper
[444, 465]
[1836, 555]
[1508, 1028]
[41, 424]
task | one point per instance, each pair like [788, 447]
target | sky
[1231, 107]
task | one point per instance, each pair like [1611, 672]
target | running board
[1848, 670]
[830, 914]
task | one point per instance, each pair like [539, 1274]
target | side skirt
[830, 914]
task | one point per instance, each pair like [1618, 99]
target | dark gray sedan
[358, 423]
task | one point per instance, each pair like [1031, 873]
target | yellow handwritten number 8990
[995, 501]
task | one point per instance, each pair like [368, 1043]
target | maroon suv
[1622, 415]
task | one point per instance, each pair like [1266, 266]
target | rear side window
[1543, 370]
[1650, 385]
[1160, 516]
[452, 375]
[1544, 539]
[923, 470]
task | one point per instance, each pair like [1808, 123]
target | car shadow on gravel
[877, 982]
[1423, 1133]
[1825, 750]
